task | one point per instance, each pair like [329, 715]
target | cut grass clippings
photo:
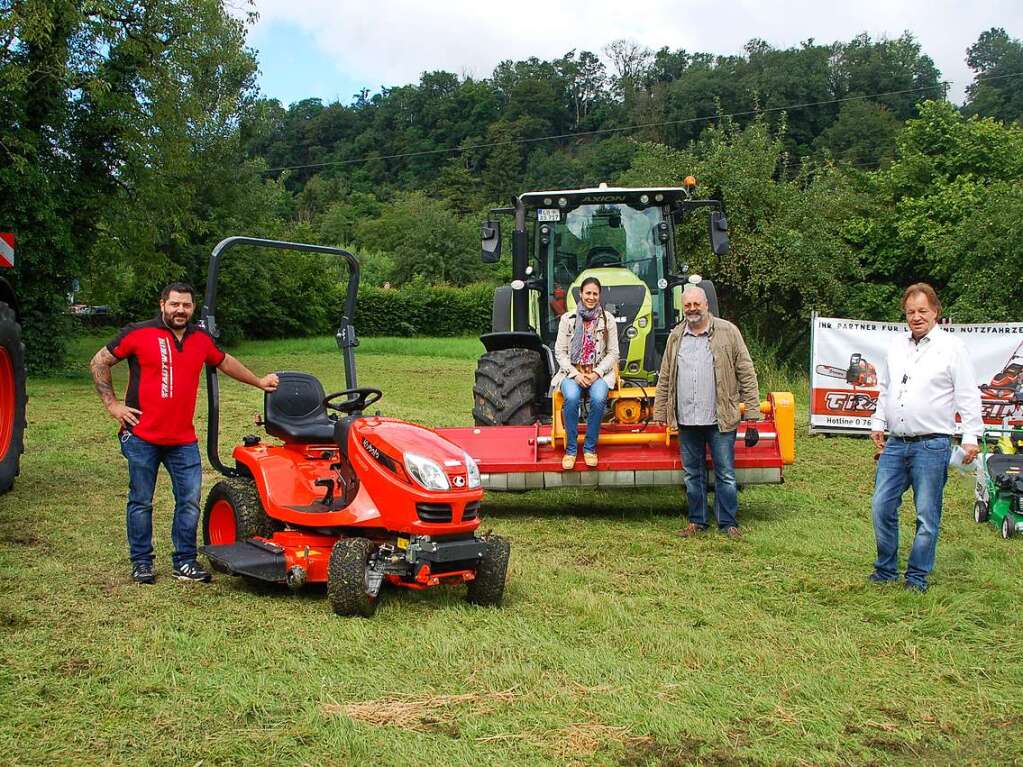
[419, 714]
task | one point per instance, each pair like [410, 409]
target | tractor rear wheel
[12, 397]
[488, 587]
[508, 388]
[347, 583]
[233, 513]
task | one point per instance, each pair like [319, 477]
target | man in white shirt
[927, 380]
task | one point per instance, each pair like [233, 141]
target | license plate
[548, 214]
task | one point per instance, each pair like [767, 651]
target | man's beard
[695, 320]
[174, 321]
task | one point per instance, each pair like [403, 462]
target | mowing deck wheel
[980, 512]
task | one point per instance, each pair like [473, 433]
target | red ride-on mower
[347, 499]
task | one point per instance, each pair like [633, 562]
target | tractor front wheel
[509, 388]
[1008, 526]
[980, 512]
[347, 578]
[233, 513]
[12, 397]
[488, 587]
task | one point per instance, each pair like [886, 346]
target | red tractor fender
[285, 476]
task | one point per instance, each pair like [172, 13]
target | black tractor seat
[295, 412]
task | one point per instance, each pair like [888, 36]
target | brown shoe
[690, 530]
[568, 462]
[734, 533]
[590, 459]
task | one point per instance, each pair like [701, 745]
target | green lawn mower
[999, 491]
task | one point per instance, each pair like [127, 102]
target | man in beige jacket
[705, 372]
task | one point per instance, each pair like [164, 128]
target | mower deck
[252, 558]
[524, 457]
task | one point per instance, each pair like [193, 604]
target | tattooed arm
[100, 366]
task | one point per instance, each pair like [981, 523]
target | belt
[920, 437]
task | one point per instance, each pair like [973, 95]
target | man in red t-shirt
[165, 357]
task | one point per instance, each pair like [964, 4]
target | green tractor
[625, 238]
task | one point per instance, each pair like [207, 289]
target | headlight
[427, 473]
[472, 471]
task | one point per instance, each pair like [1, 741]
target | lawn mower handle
[346, 339]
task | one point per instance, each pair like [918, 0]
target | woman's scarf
[582, 314]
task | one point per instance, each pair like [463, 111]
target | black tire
[13, 433]
[980, 512]
[346, 578]
[1008, 526]
[488, 587]
[508, 387]
[250, 519]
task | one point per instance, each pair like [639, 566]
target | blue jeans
[182, 463]
[924, 466]
[570, 412]
[693, 442]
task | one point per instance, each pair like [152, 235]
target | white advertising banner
[846, 356]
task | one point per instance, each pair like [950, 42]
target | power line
[604, 131]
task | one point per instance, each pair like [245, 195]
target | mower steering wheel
[603, 255]
[356, 400]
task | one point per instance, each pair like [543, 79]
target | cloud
[391, 42]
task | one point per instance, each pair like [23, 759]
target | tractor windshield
[599, 237]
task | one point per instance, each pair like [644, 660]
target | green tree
[952, 175]
[864, 134]
[996, 90]
[790, 250]
[110, 109]
[426, 240]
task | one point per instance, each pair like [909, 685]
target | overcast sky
[330, 49]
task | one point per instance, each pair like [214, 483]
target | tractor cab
[625, 237]
[619, 243]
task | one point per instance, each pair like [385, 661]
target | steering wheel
[603, 255]
[356, 400]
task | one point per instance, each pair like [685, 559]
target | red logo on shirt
[166, 370]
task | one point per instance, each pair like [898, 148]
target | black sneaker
[878, 578]
[142, 572]
[190, 571]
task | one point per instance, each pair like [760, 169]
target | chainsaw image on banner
[859, 373]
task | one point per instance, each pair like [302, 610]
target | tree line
[133, 138]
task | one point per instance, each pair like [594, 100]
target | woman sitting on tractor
[587, 355]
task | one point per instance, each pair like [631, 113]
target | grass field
[619, 644]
